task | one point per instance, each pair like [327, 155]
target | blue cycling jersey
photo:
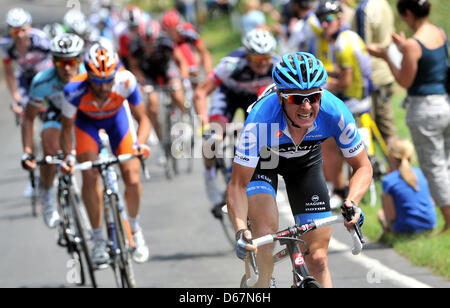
[266, 132]
[46, 87]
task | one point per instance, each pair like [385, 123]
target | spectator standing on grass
[423, 73]
[407, 203]
[374, 22]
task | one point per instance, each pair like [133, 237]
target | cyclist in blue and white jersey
[236, 82]
[282, 136]
[46, 91]
[25, 52]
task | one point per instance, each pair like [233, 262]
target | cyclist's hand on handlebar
[243, 246]
[17, 108]
[353, 215]
[143, 151]
[67, 166]
[28, 161]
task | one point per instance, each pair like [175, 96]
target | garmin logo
[356, 148]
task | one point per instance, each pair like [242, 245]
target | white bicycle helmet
[67, 45]
[76, 22]
[53, 30]
[259, 41]
[18, 18]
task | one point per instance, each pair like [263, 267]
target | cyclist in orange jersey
[98, 100]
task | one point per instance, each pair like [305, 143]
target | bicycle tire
[190, 162]
[125, 265]
[69, 242]
[34, 195]
[310, 283]
[82, 234]
[76, 255]
[228, 229]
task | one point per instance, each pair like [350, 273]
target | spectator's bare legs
[445, 210]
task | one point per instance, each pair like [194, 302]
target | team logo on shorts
[315, 198]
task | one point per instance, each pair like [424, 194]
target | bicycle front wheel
[81, 226]
[123, 244]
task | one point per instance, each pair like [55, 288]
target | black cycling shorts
[305, 185]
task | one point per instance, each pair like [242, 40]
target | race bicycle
[74, 229]
[291, 237]
[120, 243]
[178, 130]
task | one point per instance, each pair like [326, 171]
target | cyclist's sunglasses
[16, 31]
[100, 81]
[259, 58]
[64, 62]
[328, 18]
[300, 98]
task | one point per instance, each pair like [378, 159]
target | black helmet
[303, 4]
[327, 7]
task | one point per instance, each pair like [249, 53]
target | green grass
[430, 249]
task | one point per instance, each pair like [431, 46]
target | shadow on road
[184, 256]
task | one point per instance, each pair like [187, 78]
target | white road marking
[377, 272]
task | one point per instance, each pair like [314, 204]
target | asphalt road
[187, 246]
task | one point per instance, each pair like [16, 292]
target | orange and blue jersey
[114, 115]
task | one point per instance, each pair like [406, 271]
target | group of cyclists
[88, 75]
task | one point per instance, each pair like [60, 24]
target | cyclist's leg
[50, 133]
[174, 79]
[123, 138]
[220, 114]
[263, 216]
[333, 162]
[309, 200]
[87, 147]
[153, 111]
[50, 146]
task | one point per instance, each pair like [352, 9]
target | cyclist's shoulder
[233, 60]
[333, 109]
[45, 79]
[189, 32]
[266, 109]
[125, 79]
[39, 39]
[164, 41]
[348, 40]
[76, 87]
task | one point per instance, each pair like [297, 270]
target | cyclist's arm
[11, 81]
[182, 63]
[360, 180]
[31, 112]
[134, 68]
[139, 113]
[205, 56]
[200, 96]
[342, 82]
[237, 201]
[66, 141]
